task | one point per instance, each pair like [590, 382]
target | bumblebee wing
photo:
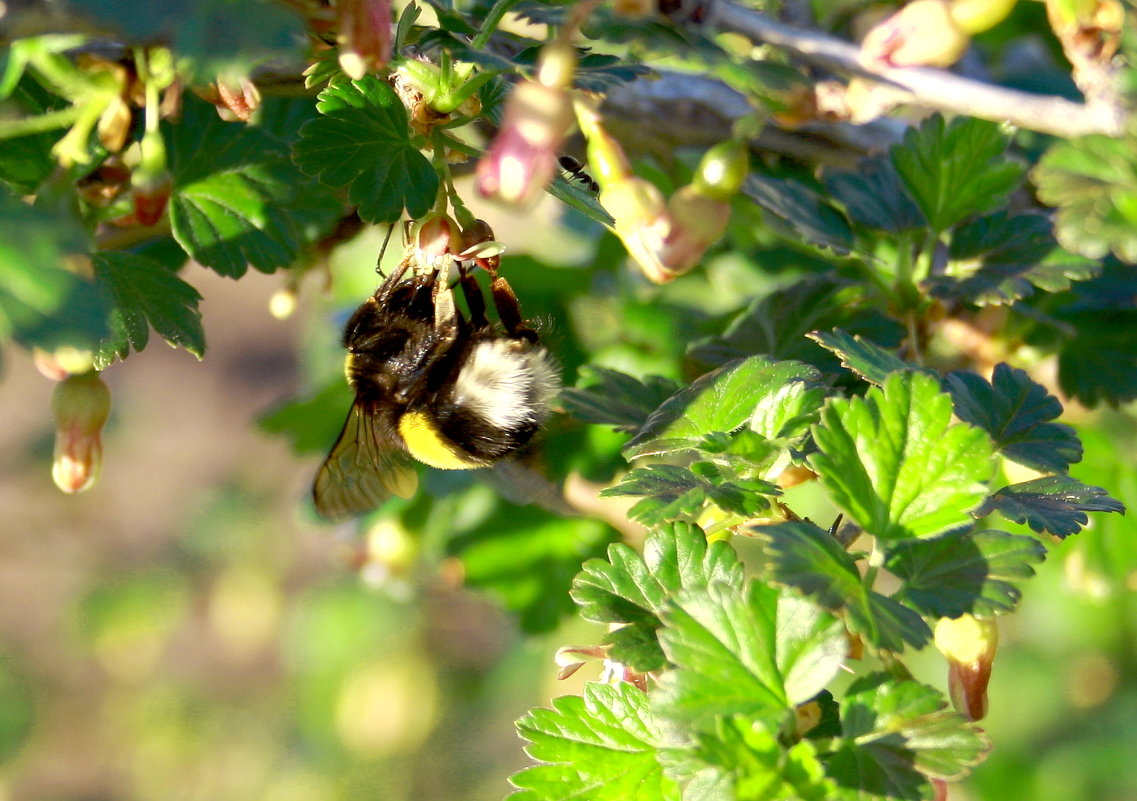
[363, 469]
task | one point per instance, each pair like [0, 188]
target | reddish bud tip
[81, 405]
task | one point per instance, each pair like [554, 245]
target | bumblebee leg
[509, 310]
[475, 301]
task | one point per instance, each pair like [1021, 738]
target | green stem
[492, 20]
[62, 118]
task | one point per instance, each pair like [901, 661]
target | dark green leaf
[672, 492]
[805, 557]
[632, 590]
[312, 423]
[1054, 504]
[210, 37]
[601, 747]
[800, 213]
[874, 195]
[728, 398]
[868, 360]
[776, 325]
[897, 735]
[1093, 183]
[146, 295]
[41, 303]
[757, 652]
[956, 170]
[969, 572]
[232, 184]
[363, 142]
[1015, 411]
[1099, 364]
[895, 463]
[742, 759]
[1000, 258]
[617, 399]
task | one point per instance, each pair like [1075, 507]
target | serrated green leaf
[955, 170]
[776, 325]
[1093, 183]
[874, 195]
[725, 400]
[756, 652]
[672, 492]
[742, 759]
[811, 560]
[632, 590]
[362, 142]
[1000, 258]
[968, 572]
[41, 303]
[798, 212]
[601, 747]
[897, 735]
[1015, 410]
[146, 295]
[617, 399]
[1054, 504]
[895, 463]
[868, 360]
[232, 186]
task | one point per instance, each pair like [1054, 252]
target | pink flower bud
[435, 237]
[150, 194]
[81, 405]
[969, 643]
[921, 33]
[642, 223]
[364, 35]
[697, 222]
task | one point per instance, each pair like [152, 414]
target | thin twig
[932, 88]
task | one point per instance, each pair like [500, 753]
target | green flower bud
[81, 405]
[722, 170]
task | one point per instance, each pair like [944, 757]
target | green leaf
[956, 170]
[672, 492]
[811, 560]
[968, 572]
[797, 212]
[895, 736]
[874, 196]
[146, 295]
[617, 399]
[232, 188]
[528, 559]
[868, 360]
[1054, 504]
[1093, 183]
[776, 325]
[577, 197]
[1001, 258]
[894, 462]
[41, 303]
[601, 747]
[363, 142]
[725, 400]
[311, 423]
[209, 37]
[742, 759]
[632, 590]
[757, 652]
[1015, 411]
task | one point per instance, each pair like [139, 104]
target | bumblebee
[452, 391]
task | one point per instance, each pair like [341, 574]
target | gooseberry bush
[816, 364]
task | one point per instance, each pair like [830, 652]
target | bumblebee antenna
[383, 250]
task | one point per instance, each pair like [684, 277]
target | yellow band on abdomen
[427, 444]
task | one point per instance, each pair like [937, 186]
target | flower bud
[722, 170]
[235, 99]
[969, 643]
[921, 33]
[81, 405]
[150, 194]
[697, 222]
[364, 35]
[114, 124]
[642, 223]
[522, 160]
[974, 16]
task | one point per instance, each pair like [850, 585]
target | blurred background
[187, 630]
